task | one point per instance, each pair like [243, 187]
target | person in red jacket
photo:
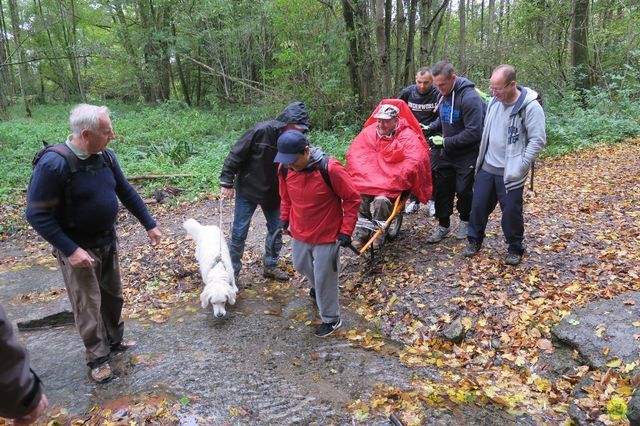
[320, 218]
[389, 156]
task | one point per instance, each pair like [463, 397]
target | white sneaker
[431, 208]
[412, 207]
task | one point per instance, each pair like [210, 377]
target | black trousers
[488, 191]
[451, 181]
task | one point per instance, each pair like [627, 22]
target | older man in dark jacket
[250, 173]
[21, 396]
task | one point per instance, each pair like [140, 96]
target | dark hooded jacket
[20, 388]
[249, 167]
[461, 120]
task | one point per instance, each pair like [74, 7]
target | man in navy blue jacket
[460, 119]
[72, 203]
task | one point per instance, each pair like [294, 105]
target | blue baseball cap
[290, 144]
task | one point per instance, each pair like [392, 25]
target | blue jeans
[241, 221]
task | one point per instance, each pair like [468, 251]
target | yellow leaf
[614, 363]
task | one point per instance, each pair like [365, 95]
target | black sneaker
[513, 259]
[312, 293]
[471, 249]
[327, 328]
[123, 346]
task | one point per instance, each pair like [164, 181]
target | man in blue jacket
[513, 137]
[72, 202]
[460, 120]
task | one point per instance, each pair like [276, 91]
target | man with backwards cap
[250, 174]
[320, 217]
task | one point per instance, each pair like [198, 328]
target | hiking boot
[123, 346]
[327, 328]
[461, 232]
[412, 207]
[431, 208]
[471, 249]
[438, 234]
[513, 259]
[102, 373]
[275, 273]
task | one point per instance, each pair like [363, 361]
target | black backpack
[322, 165]
[73, 162]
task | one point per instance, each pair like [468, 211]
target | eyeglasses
[500, 89]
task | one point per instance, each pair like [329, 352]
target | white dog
[215, 266]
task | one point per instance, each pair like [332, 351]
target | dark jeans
[242, 220]
[489, 190]
[453, 180]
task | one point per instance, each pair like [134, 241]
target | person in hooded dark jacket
[422, 99]
[460, 120]
[250, 173]
[21, 395]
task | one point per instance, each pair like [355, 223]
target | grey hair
[86, 116]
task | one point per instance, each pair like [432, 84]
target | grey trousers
[96, 298]
[320, 263]
[382, 208]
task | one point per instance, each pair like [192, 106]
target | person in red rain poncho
[387, 157]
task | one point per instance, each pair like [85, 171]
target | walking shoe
[275, 273]
[412, 207]
[471, 249]
[438, 234]
[379, 242]
[327, 328]
[513, 259]
[431, 208]
[123, 346]
[102, 373]
[461, 232]
[357, 244]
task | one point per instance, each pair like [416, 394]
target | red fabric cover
[387, 167]
[317, 214]
[405, 113]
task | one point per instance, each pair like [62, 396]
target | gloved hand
[284, 225]
[436, 142]
[344, 240]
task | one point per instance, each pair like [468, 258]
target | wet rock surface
[604, 331]
[260, 365]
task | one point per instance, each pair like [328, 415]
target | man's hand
[154, 236]
[284, 225]
[436, 142]
[344, 240]
[81, 259]
[33, 416]
[227, 193]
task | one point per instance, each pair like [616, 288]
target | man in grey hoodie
[460, 121]
[513, 136]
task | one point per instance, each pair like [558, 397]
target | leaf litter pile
[582, 236]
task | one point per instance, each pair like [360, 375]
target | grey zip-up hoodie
[526, 137]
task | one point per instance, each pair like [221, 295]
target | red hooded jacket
[381, 166]
[316, 213]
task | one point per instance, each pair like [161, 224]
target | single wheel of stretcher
[394, 226]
